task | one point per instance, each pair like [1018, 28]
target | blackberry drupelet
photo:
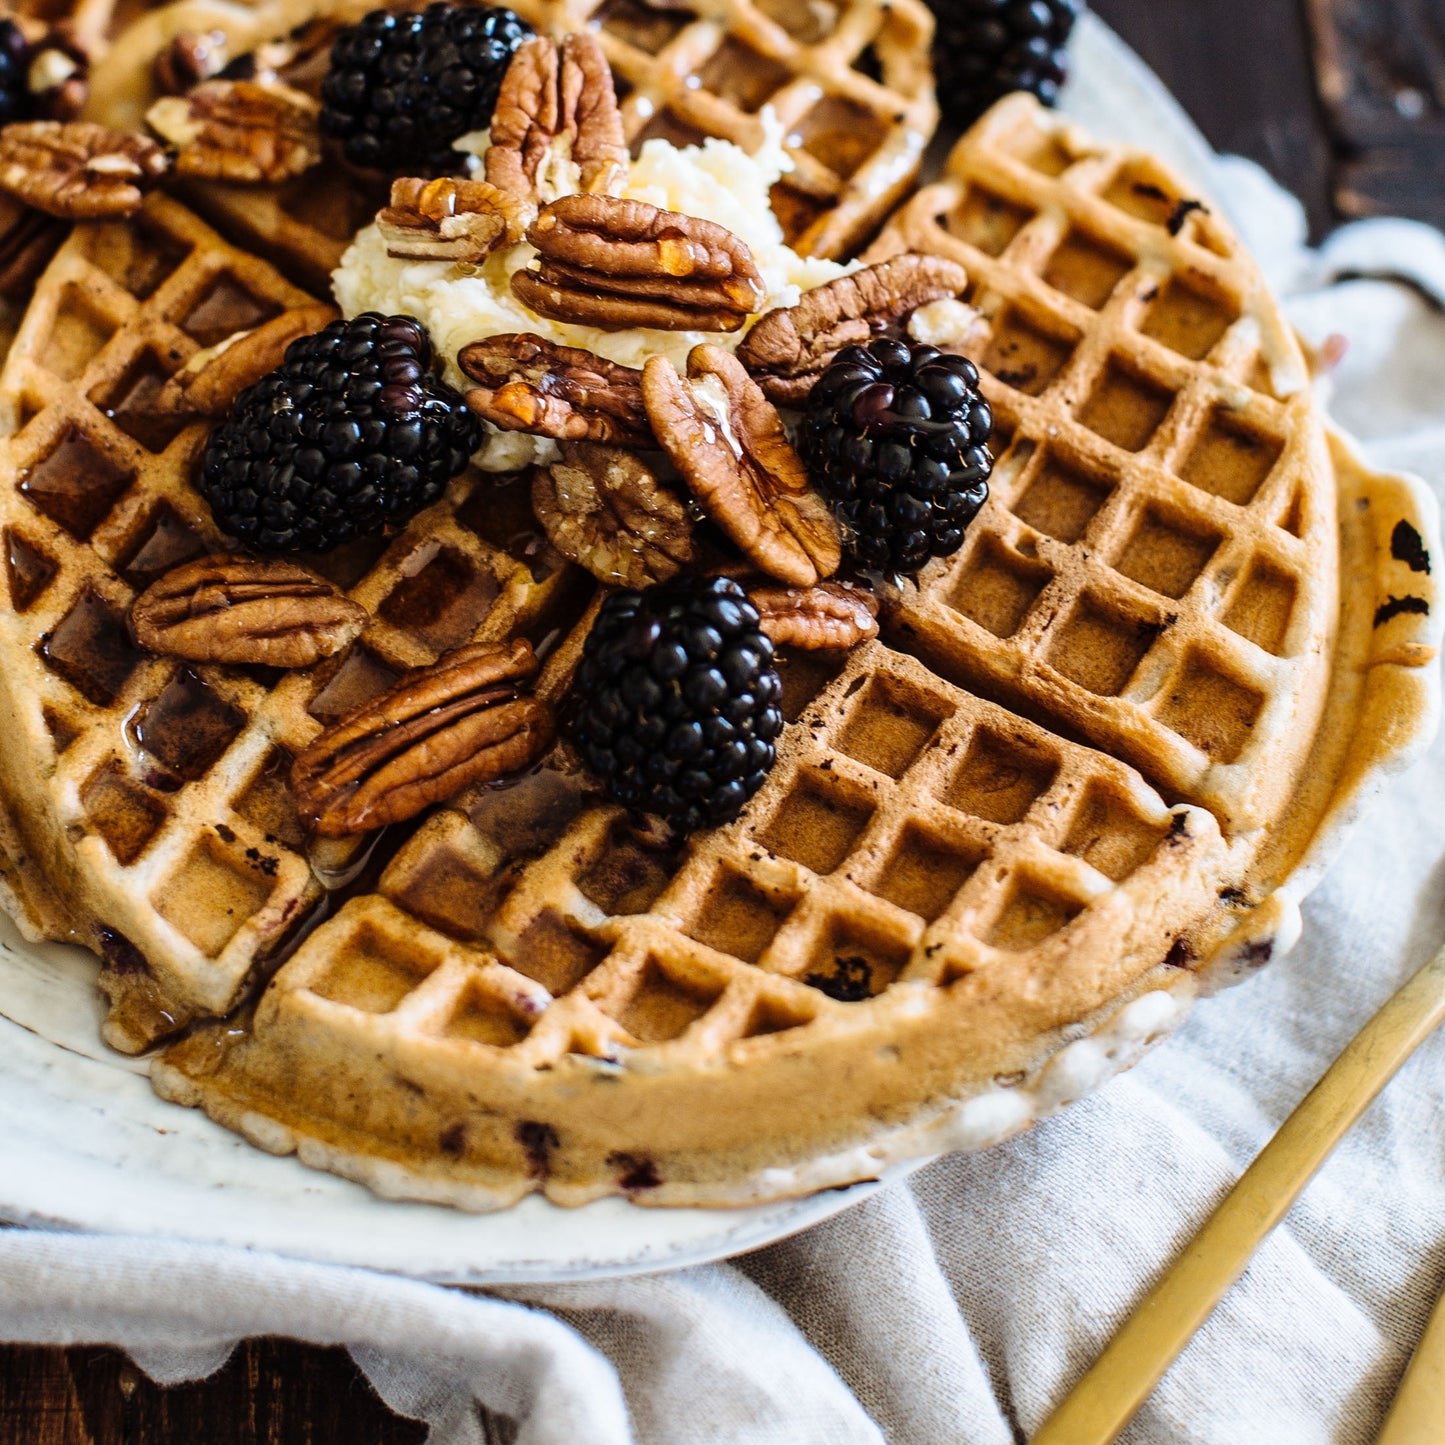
[984, 49]
[351, 435]
[403, 87]
[16, 101]
[896, 437]
[676, 702]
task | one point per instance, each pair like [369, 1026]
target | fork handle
[1114, 1387]
[1418, 1412]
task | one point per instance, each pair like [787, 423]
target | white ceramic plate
[85, 1144]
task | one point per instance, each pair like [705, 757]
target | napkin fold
[961, 1304]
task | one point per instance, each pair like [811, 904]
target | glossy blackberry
[403, 87]
[675, 707]
[983, 49]
[351, 435]
[896, 437]
[15, 97]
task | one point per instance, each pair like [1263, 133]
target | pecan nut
[446, 727]
[788, 349]
[447, 219]
[616, 264]
[57, 76]
[556, 128]
[564, 392]
[76, 170]
[829, 617]
[605, 508]
[214, 377]
[727, 440]
[236, 130]
[192, 57]
[236, 610]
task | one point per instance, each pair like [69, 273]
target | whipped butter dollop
[460, 303]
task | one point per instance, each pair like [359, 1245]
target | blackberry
[403, 87]
[896, 436]
[983, 49]
[348, 437]
[676, 701]
[15, 98]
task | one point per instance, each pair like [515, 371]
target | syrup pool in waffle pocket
[1088, 770]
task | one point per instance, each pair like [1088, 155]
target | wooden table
[1344, 101]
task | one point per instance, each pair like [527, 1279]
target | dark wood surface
[1342, 100]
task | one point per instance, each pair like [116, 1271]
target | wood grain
[1381, 69]
[1243, 71]
[271, 1392]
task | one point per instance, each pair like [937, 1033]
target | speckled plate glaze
[85, 1144]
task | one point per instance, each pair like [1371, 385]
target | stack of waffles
[1089, 768]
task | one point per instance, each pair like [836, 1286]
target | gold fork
[1106, 1398]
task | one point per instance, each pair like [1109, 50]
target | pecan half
[448, 219]
[76, 170]
[556, 110]
[237, 610]
[564, 392]
[236, 130]
[57, 76]
[192, 57]
[213, 378]
[606, 509]
[616, 264]
[727, 440]
[439, 730]
[789, 348]
[830, 616]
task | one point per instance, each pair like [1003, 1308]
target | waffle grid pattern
[849, 81]
[914, 834]
[1155, 564]
[169, 779]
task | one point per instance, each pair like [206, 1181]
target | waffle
[937, 922]
[303, 226]
[29, 239]
[151, 796]
[1156, 570]
[850, 82]
[962, 897]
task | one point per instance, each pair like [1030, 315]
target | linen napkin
[958, 1306]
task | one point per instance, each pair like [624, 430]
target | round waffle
[938, 923]
[1089, 768]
